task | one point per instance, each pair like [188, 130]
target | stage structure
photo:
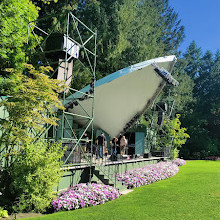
[112, 104]
[71, 52]
[158, 141]
[122, 97]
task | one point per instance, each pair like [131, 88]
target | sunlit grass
[194, 193]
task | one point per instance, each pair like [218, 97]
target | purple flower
[179, 162]
[148, 174]
[84, 195]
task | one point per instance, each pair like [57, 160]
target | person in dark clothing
[101, 143]
[118, 144]
[85, 142]
[114, 144]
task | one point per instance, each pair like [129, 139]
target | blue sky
[201, 19]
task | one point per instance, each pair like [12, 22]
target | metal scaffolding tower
[161, 112]
[72, 55]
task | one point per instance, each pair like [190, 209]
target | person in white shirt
[123, 145]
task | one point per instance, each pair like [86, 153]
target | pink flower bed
[212, 158]
[84, 195]
[148, 174]
[179, 162]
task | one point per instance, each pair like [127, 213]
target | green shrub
[175, 136]
[3, 213]
[35, 172]
[174, 153]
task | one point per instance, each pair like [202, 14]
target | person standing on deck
[114, 148]
[118, 144]
[123, 145]
[85, 143]
[101, 143]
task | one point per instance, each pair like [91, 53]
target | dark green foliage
[135, 31]
[198, 101]
[183, 93]
[193, 58]
[202, 115]
[129, 31]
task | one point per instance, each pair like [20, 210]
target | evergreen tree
[129, 31]
[184, 92]
[202, 116]
[192, 56]
[207, 94]
[172, 30]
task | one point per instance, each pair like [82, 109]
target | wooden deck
[107, 162]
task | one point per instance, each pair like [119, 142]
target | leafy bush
[35, 172]
[148, 174]
[174, 153]
[174, 129]
[30, 103]
[84, 195]
[3, 213]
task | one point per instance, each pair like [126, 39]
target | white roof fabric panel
[121, 96]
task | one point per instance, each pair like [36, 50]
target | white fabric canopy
[122, 95]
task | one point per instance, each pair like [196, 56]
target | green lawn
[194, 193]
